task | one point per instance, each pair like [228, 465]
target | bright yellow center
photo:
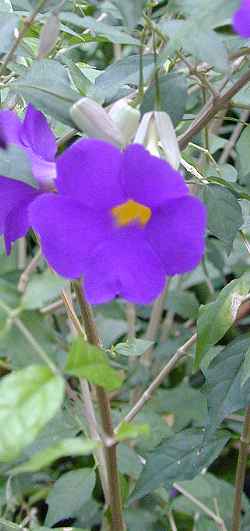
[130, 212]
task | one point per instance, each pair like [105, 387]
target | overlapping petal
[124, 265]
[176, 232]
[37, 135]
[10, 126]
[89, 171]
[241, 19]
[12, 194]
[69, 231]
[148, 179]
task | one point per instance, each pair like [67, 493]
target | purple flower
[241, 19]
[122, 220]
[34, 136]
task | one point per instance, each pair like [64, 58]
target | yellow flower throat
[130, 212]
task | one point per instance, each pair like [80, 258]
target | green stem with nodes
[241, 471]
[106, 419]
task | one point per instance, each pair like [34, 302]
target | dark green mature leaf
[46, 85]
[224, 214]
[69, 493]
[223, 388]
[242, 148]
[131, 11]
[42, 288]
[87, 361]
[123, 73]
[15, 164]
[111, 33]
[173, 96]
[28, 400]
[222, 313]
[63, 448]
[181, 457]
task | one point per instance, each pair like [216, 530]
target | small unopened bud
[126, 118]
[48, 36]
[93, 120]
[156, 132]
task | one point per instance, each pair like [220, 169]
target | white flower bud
[156, 131]
[92, 119]
[126, 118]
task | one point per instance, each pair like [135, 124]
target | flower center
[131, 211]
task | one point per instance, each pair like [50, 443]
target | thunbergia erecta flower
[241, 19]
[34, 136]
[121, 220]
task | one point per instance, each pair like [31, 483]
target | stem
[241, 471]
[21, 34]
[211, 109]
[106, 419]
[154, 323]
[24, 278]
[180, 353]
[217, 519]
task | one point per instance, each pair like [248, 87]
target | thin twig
[154, 323]
[24, 278]
[233, 138]
[241, 471]
[20, 35]
[210, 110]
[217, 519]
[180, 353]
[106, 419]
[172, 521]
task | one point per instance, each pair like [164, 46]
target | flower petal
[12, 194]
[37, 135]
[124, 265]
[176, 232]
[17, 222]
[148, 179]
[68, 232]
[10, 126]
[241, 19]
[89, 171]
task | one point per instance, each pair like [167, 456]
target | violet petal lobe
[241, 19]
[68, 231]
[89, 171]
[17, 222]
[12, 195]
[125, 265]
[37, 135]
[176, 232]
[150, 180]
[10, 126]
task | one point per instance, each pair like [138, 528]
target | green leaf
[134, 347]
[173, 96]
[131, 11]
[63, 448]
[129, 462]
[87, 361]
[246, 368]
[132, 431]
[111, 33]
[242, 148]
[46, 85]
[224, 214]
[29, 398]
[68, 495]
[221, 313]
[182, 456]
[42, 289]
[15, 164]
[223, 389]
[123, 73]
[183, 303]
[8, 23]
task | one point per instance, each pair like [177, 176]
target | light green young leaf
[132, 431]
[221, 313]
[134, 347]
[63, 448]
[87, 361]
[29, 398]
